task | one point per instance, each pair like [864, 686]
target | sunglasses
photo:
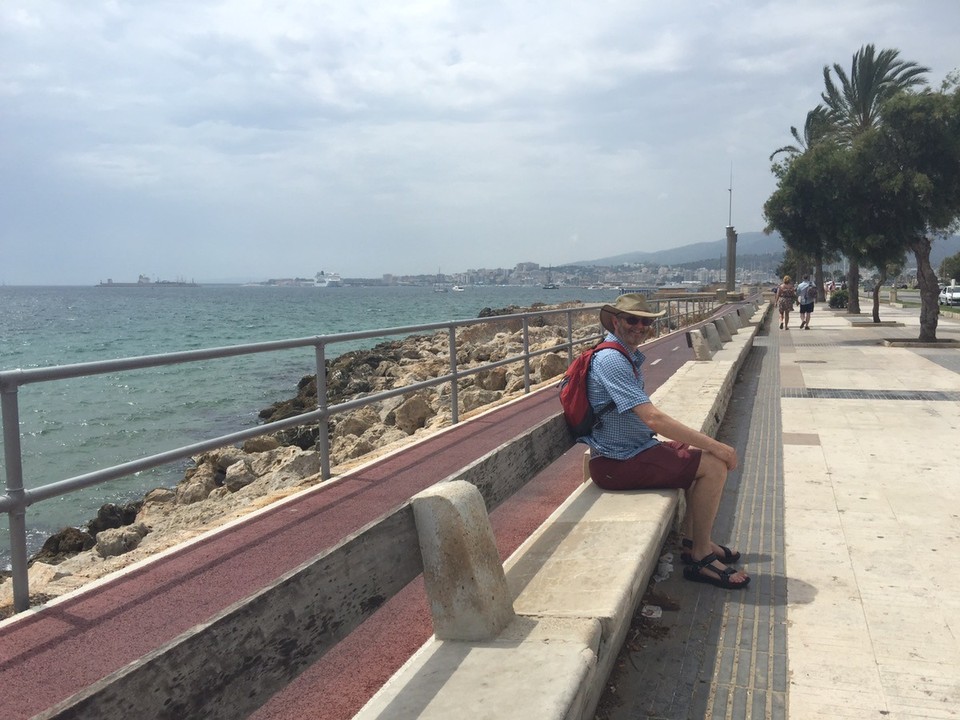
[633, 320]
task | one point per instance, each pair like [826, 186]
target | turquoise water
[75, 426]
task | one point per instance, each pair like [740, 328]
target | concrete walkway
[845, 508]
[872, 519]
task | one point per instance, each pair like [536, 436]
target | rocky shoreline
[228, 483]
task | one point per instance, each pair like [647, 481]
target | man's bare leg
[703, 500]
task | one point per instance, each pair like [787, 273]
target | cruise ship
[327, 280]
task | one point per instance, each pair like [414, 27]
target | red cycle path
[49, 655]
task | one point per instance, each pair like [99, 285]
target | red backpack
[579, 414]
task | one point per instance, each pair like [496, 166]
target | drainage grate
[840, 394]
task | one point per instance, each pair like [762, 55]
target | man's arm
[663, 424]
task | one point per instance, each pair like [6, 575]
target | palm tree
[856, 105]
[816, 127]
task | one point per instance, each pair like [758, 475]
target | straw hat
[629, 303]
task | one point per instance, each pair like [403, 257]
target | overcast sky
[253, 139]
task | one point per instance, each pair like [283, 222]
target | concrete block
[723, 332]
[698, 393]
[593, 558]
[539, 668]
[733, 323]
[713, 337]
[461, 566]
[609, 542]
[697, 339]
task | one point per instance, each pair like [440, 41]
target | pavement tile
[816, 703]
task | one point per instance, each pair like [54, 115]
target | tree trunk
[929, 290]
[876, 295]
[818, 277]
[853, 287]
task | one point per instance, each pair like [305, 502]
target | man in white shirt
[807, 296]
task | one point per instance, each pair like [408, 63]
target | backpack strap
[605, 345]
[608, 344]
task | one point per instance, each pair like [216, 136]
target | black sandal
[720, 578]
[729, 556]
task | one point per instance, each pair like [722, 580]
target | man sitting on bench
[626, 454]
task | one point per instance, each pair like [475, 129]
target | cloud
[250, 139]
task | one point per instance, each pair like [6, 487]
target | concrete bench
[538, 636]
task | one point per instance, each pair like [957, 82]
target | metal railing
[681, 311]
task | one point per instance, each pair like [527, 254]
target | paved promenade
[846, 509]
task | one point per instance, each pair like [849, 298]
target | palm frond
[855, 102]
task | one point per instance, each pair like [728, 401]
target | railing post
[454, 384]
[526, 355]
[323, 434]
[13, 467]
[569, 337]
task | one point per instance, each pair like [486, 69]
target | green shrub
[839, 299]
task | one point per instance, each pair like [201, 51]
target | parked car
[950, 295]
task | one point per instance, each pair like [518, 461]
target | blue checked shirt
[621, 434]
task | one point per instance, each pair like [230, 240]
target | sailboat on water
[550, 284]
[439, 286]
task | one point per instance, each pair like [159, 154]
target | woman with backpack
[786, 298]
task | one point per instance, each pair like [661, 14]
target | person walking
[806, 296]
[626, 454]
[786, 298]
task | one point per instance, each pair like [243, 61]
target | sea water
[75, 426]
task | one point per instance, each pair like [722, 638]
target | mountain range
[748, 244]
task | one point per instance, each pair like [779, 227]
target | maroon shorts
[670, 464]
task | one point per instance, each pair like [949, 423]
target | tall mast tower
[731, 241]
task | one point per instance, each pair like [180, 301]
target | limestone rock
[260, 444]
[238, 475]
[302, 436]
[198, 483]
[61, 545]
[495, 379]
[221, 458]
[476, 398]
[413, 414]
[388, 410]
[40, 576]
[357, 422]
[160, 496]
[551, 365]
[283, 467]
[514, 384]
[352, 447]
[118, 541]
[113, 516]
